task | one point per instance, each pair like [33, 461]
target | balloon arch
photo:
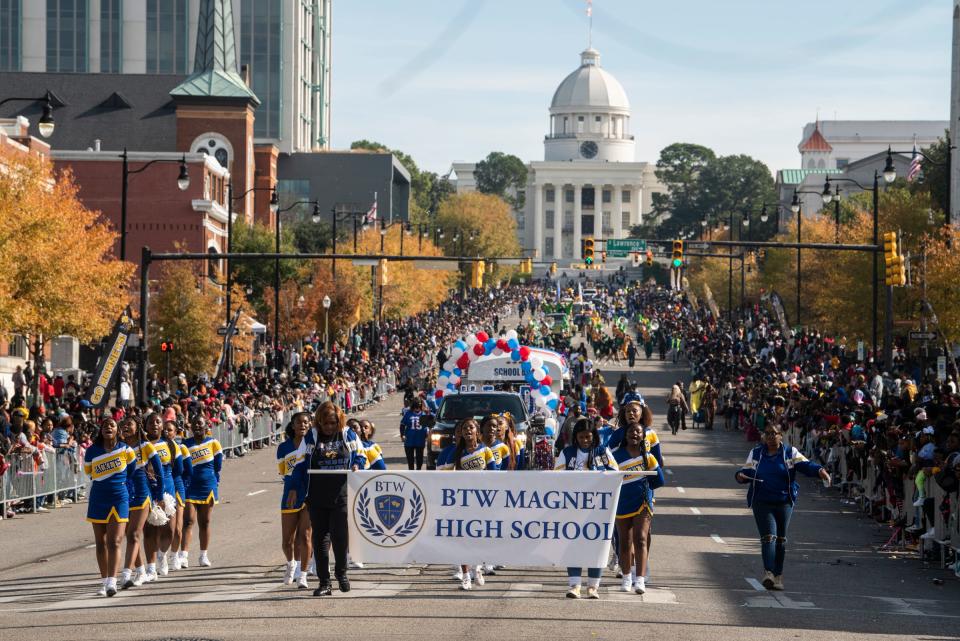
[465, 351]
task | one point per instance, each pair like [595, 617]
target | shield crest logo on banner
[389, 508]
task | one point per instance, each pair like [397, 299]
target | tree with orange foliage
[189, 316]
[58, 274]
[486, 224]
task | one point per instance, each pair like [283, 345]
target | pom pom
[170, 505]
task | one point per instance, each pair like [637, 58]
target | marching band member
[295, 522]
[471, 454]
[329, 445]
[586, 454]
[206, 458]
[109, 463]
[157, 538]
[635, 508]
[144, 489]
[182, 470]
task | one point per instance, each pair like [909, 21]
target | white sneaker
[593, 593]
[138, 578]
[175, 563]
[488, 568]
[313, 567]
[778, 582]
[458, 575]
[929, 534]
[640, 586]
[184, 560]
[354, 565]
[617, 570]
[162, 568]
[102, 591]
[302, 583]
[466, 583]
[204, 560]
[626, 584]
[150, 577]
[478, 576]
[573, 592]
[768, 580]
[919, 501]
[288, 575]
[42, 509]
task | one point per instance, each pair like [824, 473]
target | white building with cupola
[589, 183]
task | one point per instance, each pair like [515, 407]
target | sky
[452, 80]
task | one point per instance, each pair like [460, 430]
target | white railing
[54, 474]
[243, 432]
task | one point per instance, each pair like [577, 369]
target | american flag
[915, 163]
[372, 212]
[589, 8]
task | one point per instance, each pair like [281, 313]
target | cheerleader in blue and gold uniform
[371, 449]
[206, 456]
[635, 508]
[157, 538]
[109, 463]
[182, 469]
[145, 488]
[294, 519]
[490, 435]
[470, 453]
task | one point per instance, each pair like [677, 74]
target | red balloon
[546, 380]
[524, 353]
[478, 349]
[438, 394]
[482, 336]
[502, 344]
[464, 361]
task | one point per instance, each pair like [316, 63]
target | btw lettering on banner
[520, 519]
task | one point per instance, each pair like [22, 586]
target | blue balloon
[461, 345]
[451, 386]
[490, 344]
[553, 403]
[545, 390]
[443, 373]
[515, 356]
[526, 368]
[513, 344]
[457, 372]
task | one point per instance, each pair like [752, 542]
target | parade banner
[777, 304]
[108, 368]
[518, 519]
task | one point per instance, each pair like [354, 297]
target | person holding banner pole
[587, 454]
[329, 446]
[635, 508]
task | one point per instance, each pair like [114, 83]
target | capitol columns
[636, 205]
[577, 218]
[617, 213]
[538, 220]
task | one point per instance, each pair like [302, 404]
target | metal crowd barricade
[260, 430]
[58, 475]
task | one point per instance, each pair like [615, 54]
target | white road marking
[669, 472]
[756, 585]
[237, 593]
[255, 493]
[681, 490]
[652, 595]
[716, 537]
[900, 606]
[371, 589]
[91, 546]
[779, 600]
[695, 511]
[523, 589]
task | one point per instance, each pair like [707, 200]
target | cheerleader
[145, 487]
[635, 508]
[109, 463]
[206, 458]
[519, 458]
[471, 454]
[371, 450]
[294, 519]
[157, 538]
[182, 469]
[586, 454]
[490, 436]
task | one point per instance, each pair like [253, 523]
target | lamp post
[183, 182]
[889, 175]
[315, 216]
[797, 208]
[45, 125]
[326, 324]
[890, 171]
[336, 217]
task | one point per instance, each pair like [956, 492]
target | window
[9, 35]
[625, 218]
[550, 195]
[842, 163]
[549, 218]
[17, 347]
[261, 33]
[821, 164]
[587, 197]
[167, 36]
[579, 124]
[213, 265]
[568, 220]
[548, 247]
[111, 51]
[565, 119]
[66, 36]
[597, 119]
[607, 194]
[625, 196]
[568, 195]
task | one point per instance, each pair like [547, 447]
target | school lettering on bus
[506, 372]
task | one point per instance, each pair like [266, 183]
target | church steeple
[215, 63]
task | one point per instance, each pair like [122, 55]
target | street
[704, 567]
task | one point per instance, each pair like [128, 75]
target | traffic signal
[526, 266]
[166, 346]
[588, 251]
[383, 280]
[477, 269]
[553, 269]
[603, 256]
[677, 254]
[896, 274]
[649, 258]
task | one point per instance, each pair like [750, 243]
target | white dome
[589, 88]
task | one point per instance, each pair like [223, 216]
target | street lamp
[890, 171]
[275, 208]
[326, 324]
[183, 182]
[45, 124]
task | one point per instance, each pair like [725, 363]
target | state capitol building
[588, 183]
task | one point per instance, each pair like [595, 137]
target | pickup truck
[456, 407]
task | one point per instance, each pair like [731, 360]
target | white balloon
[450, 364]
[538, 374]
[442, 381]
[541, 401]
[497, 351]
[471, 340]
[536, 362]
[512, 334]
[455, 352]
[472, 355]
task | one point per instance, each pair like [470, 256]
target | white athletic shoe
[354, 565]
[138, 577]
[929, 534]
[150, 577]
[184, 559]
[204, 560]
[640, 586]
[313, 567]
[288, 575]
[626, 584]
[767, 580]
[302, 583]
[162, 568]
[175, 563]
[573, 592]
[466, 583]
[593, 593]
[488, 568]
[478, 576]
[778, 582]
[102, 591]
[458, 575]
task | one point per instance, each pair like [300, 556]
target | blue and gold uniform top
[141, 485]
[167, 459]
[636, 491]
[481, 458]
[501, 454]
[186, 470]
[374, 455]
[653, 442]
[110, 467]
[206, 458]
[294, 485]
[575, 458]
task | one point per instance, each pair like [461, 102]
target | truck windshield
[460, 406]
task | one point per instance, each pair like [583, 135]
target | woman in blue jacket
[414, 434]
[771, 471]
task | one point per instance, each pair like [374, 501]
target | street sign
[222, 331]
[619, 248]
[860, 352]
[941, 368]
[699, 246]
[923, 336]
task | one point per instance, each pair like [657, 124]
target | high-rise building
[284, 45]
